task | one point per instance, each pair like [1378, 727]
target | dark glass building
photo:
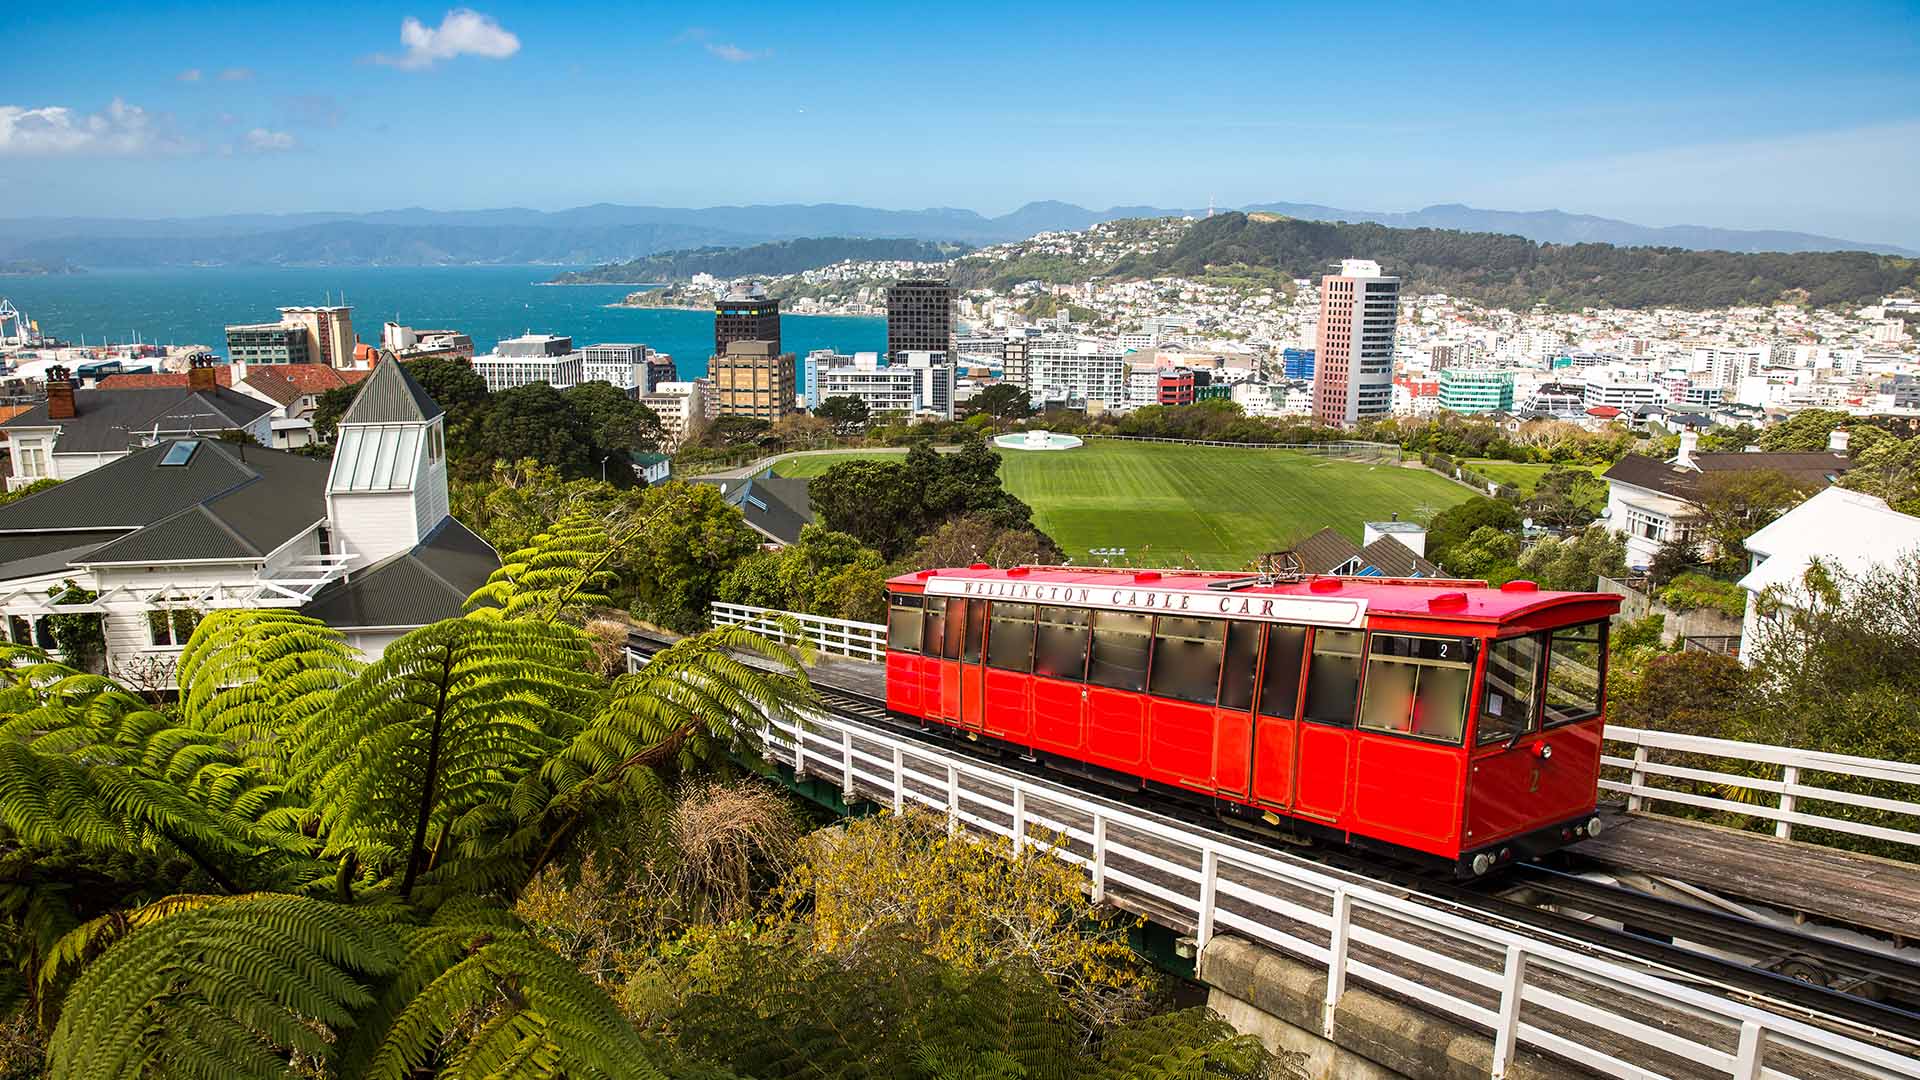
[747, 314]
[920, 318]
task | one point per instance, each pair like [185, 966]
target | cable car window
[976, 629]
[1507, 702]
[1280, 679]
[1236, 677]
[1186, 659]
[1576, 670]
[1418, 686]
[936, 634]
[1333, 677]
[904, 619]
[1120, 644]
[1060, 643]
[956, 629]
[1010, 637]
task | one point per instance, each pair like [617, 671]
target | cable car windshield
[1418, 686]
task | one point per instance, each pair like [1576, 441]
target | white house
[1846, 530]
[188, 525]
[76, 431]
[1652, 502]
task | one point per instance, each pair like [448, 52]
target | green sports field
[1521, 475]
[1219, 507]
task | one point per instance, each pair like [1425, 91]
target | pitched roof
[391, 396]
[777, 507]
[1388, 557]
[109, 421]
[279, 389]
[1815, 468]
[162, 380]
[1325, 551]
[423, 585]
[225, 502]
[1846, 530]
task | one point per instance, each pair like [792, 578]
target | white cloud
[462, 32]
[262, 140]
[189, 75]
[120, 130]
[734, 54]
[236, 75]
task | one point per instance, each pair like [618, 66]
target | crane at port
[15, 327]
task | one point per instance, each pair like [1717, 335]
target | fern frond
[254, 676]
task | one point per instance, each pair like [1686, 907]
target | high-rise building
[531, 358]
[628, 367]
[1353, 349]
[1296, 363]
[329, 328]
[746, 313]
[919, 384]
[754, 379]
[1476, 390]
[920, 317]
[269, 343]
[1077, 370]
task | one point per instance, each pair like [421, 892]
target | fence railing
[1522, 990]
[840, 637]
[1805, 776]
[1349, 448]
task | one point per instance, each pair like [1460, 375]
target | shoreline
[708, 309]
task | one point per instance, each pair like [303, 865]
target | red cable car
[1441, 720]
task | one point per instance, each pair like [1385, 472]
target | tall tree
[848, 415]
[538, 422]
[619, 423]
[1002, 401]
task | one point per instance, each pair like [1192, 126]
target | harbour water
[194, 305]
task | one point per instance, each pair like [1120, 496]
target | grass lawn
[1520, 474]
[1218, 507]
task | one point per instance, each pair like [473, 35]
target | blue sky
[1749, 115]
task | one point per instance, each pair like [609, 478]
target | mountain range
[606, 232]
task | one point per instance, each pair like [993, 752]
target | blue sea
[194, 306]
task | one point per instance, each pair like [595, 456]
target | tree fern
[562, 570]
[254, 676]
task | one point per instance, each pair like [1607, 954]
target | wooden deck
[1825, 884]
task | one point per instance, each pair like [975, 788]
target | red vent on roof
[1447, 601]
[1147, 575]
[1020, 571]
[925, 574]
[1325, 584]
[1522, 585]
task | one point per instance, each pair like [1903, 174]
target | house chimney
[1837, 442]
[1689, 441]
[200, 373]
[60, 404]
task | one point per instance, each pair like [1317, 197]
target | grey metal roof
[1394, 559]
[32, 554]
[423, 585]
[109, 421]
[777, 507]
[1816, 468]
[1325, 551]
[391, 396]
[226, 502]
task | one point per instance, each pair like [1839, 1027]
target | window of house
[905, 615]
[1576, 671]
[1418, 686]
[1060, 643]
[31, 461]
[171, 626]
[436, 443]
[1186, 659]
[1010, 637]
[1508, 700]
[1333, 677]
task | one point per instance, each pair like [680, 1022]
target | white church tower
[388, 487]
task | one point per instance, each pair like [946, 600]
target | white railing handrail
[905, 771]
[865, 640]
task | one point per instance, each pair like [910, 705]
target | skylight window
[180, 452]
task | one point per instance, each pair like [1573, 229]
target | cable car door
[972, 671]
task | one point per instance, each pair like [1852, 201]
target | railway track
[1861, 991]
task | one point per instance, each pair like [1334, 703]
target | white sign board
[1195, 603]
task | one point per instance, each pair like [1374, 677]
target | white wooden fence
[1784, 798]
[1782, 801]
[840, 637]
[1509, 982]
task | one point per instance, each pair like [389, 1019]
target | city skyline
[1659, 116]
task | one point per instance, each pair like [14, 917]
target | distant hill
[1513, 271]
[778, 257]
[607, 232]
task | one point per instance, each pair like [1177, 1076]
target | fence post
[899, 780]
[1507, 1031]
[1639, 777]
[953, 800]
[1019, 818]
[800, 750]
[1336, 958]
[1784, 828]
[1746, 1060]
[1209, 876]
[846, 766]
[1099, 858]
